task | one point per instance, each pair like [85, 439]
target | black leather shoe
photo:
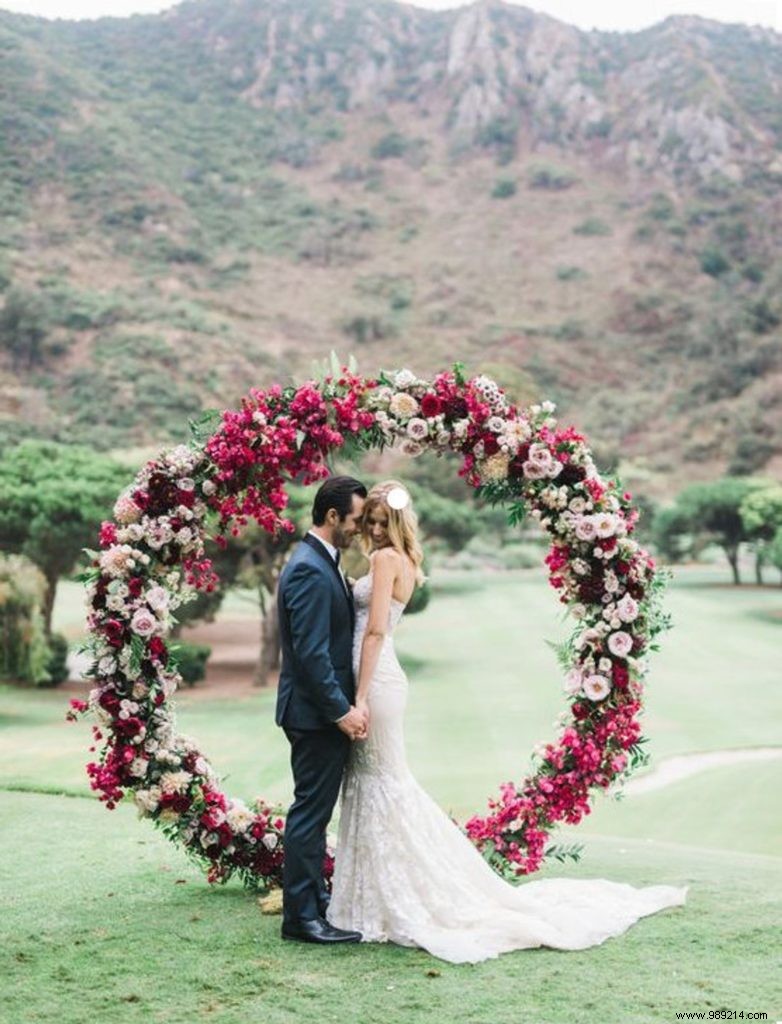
[318, 930]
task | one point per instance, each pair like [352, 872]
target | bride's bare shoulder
[386, 556]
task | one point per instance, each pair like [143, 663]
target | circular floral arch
[153, 560]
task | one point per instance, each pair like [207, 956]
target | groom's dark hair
[336, 492]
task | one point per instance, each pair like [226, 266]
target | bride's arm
[384, 569]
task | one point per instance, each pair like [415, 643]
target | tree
[53, 498]
[672, 534]
[25, 323]
[775, 550]
[712, 510]
[761, 513]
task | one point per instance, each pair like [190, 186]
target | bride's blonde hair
[402, 525]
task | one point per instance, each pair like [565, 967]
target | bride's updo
[402, 522]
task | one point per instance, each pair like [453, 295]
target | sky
[618, 15]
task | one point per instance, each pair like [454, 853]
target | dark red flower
[490, 444]
[114, 631]
[157, 649]
[620, 675]
[431, 405]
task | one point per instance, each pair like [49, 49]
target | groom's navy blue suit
[316, 688]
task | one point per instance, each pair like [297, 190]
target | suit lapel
[319, 549]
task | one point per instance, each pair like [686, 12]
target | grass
[103, 920]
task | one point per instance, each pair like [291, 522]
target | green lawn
[104, 921]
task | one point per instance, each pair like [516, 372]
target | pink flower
[596, 687]
[620, 643]
[585, 528]
[143, 622]
[627, 609]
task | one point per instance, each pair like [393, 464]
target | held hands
[355, 724]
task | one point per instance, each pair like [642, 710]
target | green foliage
[25, 655]
[504, 188]
[366, 327]
[190, 660]
[592, 226]
[501, 135]
[550, 177]
[570, 273]
[25, 324]
[53, 498]
[711, 512]
[57, 664]
[392, 144]
[761, 511]
[600, 129]
[713, 261]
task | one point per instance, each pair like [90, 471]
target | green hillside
[211, 198]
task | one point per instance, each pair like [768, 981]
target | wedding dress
[405, 873]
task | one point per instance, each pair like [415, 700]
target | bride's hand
[363, 707]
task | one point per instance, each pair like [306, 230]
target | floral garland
[152, 560]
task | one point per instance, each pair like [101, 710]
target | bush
[592, 226]
[713, 261]
[570, 273]
[57, 665]
[549, 176]
[190, 661]
[503, 188]
[24, 654]
[394, 144]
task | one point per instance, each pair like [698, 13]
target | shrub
[549, 176]
[568, 273]
[57, 664]
[503, 188]
[393, 144]
[190, 660]
[592, 226]
[24, 654]
[713, 261]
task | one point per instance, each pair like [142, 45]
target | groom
[315, 701]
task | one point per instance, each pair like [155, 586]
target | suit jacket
[316, 618]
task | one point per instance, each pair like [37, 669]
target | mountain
[210, 198]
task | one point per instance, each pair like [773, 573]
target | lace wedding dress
[405, 873]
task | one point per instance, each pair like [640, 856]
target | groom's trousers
[318, 758]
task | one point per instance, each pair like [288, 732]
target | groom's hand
[354, 724]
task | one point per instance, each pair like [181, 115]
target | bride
[404, 872]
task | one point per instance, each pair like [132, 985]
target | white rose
[417, 428]
[403, 406]
[585, 528]
[620, 643]
[157, 598]
[573, 681]
[405, 379]
[605, 524]
[143, 622]
[533, 470]
[540, 454]
[596, 687]
[627, 609]
[270, 840]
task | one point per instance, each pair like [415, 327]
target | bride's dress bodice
[384, 748]
[404, 872]
[362, 595]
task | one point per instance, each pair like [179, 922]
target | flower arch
[151, 560]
